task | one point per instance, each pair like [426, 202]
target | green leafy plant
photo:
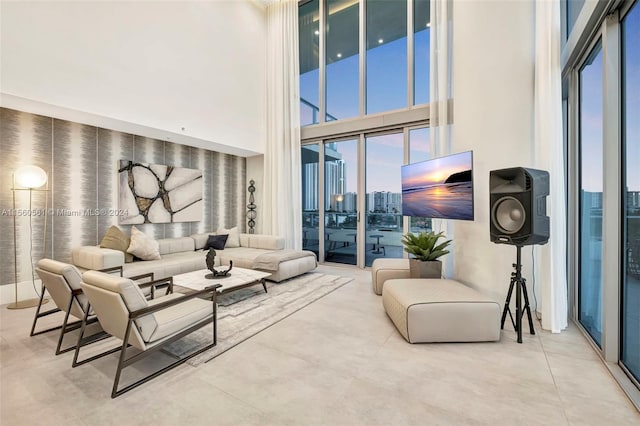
[423, 246]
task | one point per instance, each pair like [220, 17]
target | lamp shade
[30, 177]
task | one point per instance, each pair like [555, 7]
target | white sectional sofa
[186, 254]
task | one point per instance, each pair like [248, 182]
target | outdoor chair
[125, 313]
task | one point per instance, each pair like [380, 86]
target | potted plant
[423, 253]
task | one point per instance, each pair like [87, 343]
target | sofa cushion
[216, 242]
[242, 257]
[234, 236]
[116, 239]
[143, 246]
[176, 245]
[267, 242]
[201, 239]
[170, 265]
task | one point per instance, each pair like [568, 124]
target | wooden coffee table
[238, 278]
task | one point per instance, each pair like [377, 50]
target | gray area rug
[248, 311]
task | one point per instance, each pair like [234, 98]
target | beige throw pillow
[234, 237]
[116, 239]
[142, 246]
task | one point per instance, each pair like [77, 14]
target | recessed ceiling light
[380, 41]
[339, 55]
[316, 32]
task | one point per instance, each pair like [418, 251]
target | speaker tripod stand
[521, 289]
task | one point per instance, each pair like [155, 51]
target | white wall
[161, 65]
[493, 67]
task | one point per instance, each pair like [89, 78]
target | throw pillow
[216, 242]
[234, 236]
[115, 239]
[142, 246]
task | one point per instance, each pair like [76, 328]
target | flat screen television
[439, 188]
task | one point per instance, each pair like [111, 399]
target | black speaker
[518, 198]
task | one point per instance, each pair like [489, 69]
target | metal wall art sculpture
[251, 213]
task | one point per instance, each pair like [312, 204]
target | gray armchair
[125, 313]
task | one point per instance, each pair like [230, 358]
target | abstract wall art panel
[153, 193]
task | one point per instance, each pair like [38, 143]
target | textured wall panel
[202, 159]
[219, 191]
[239, 202]
[112, 147]
[82, 162]
[74, 187]
[25, 139]
[177, 156]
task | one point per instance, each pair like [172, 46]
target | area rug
[248, 311]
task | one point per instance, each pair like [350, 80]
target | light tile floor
[339, 361]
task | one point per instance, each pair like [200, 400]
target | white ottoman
[438, 310]
[387, 269]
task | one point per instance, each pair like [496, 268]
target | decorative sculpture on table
[251, 214]
[211, 260]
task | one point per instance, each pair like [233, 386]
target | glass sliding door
[341, 202]
[384, 157]
[591, 188]
[310, 204]
[630, 336]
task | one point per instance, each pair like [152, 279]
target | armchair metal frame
[89, 319]
[75, 324]
[124, 362]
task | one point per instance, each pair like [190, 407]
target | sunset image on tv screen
[439, 188]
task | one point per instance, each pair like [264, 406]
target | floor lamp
[27, 178]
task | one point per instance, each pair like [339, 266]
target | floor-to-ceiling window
[601, 99]
[630, 336]
[386, 44]
[421, 41]
[365, 58]
[591, 176]
[342, 59]
[309, 40]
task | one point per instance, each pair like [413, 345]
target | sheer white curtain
[282, 197]
[551, 267]
[441, 98]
